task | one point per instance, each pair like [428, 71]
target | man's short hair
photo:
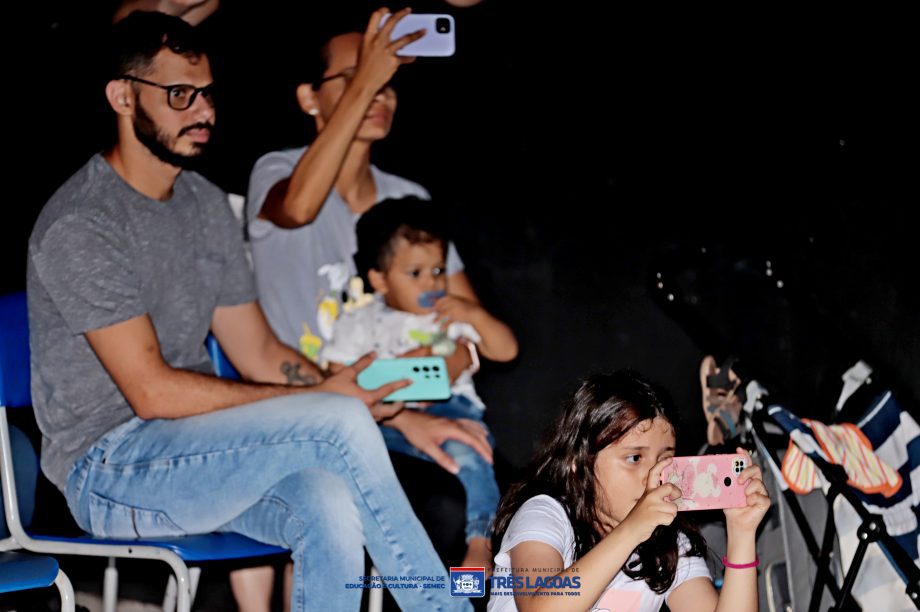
[380, 230]
[138, 38]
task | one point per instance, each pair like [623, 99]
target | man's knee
[316, 489]
[307, 414]
[321, 506]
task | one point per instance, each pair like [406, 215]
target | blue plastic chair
[21, 571]
[15, 392]
[222, 366]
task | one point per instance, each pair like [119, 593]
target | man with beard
[131, 263]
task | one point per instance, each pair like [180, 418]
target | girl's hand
[758, 500]
[452, 308]
[655, 507]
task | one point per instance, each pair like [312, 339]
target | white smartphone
[438, 40]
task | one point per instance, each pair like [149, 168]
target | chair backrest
[25, 473]
[222, 366]
[15, 392]
[15, 388]
[19, 572]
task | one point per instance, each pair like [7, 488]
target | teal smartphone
[428, 375]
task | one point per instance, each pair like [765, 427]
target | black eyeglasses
[179, 97]
[348, 74]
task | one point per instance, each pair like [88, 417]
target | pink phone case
[707, 482]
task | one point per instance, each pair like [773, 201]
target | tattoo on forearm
[295, 376]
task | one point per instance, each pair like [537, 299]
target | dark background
[579, 151]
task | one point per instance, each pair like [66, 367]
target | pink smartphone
[707, 482]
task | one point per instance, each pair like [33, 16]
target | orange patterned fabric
[799, 471]
[846, 446]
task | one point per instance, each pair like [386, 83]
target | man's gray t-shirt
[302, 274]
[101, 253]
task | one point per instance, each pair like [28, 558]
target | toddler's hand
[454, 308]
[655, 507]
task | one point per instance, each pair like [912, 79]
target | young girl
[591, 529]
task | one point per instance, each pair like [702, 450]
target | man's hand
[427, 433]
[345, 381]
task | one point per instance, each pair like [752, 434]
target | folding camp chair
[689, 284]
[866, 508]
[176, 552]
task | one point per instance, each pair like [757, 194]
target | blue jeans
[308, 472]
[476, 475]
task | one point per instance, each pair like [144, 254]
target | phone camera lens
[728, 481]
[442, 25]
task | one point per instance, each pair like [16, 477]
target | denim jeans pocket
[112, 519]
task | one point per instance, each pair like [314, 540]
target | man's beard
[157, 142]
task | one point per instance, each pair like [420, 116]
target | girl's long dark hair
[603, 409]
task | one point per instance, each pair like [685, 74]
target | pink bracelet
[754, 563]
